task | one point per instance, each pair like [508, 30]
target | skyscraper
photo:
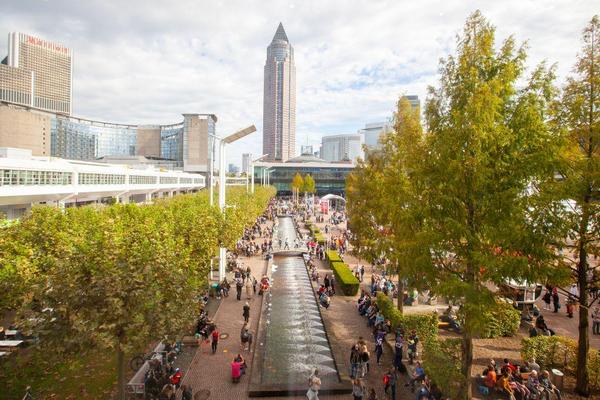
[246, 161]
[37, 73]
[279, 107]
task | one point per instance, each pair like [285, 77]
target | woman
[249, 288]
[314, 384]
[364, 361]
[246, 312]
[358, 389]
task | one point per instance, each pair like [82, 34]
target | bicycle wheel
[136, 362]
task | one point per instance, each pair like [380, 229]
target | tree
[487, 144]
[297, 185]
[579, 113]
[384, 198]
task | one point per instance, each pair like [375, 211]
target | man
[215, 340]
[176, 378]
[239, 284]
[362, 272]
[418, 376]
[549, 388]
[246, 312]
[596, 321]
[390, 383]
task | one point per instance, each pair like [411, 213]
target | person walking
[359, 391]
[249, 288]
[239, 284]
[547, 299]
[398, 354]
[389, 380]
[326, 282]
[215, 340]
[246, 312]
[314, 384]
[596, 321]
[555, 299]
[379, 348]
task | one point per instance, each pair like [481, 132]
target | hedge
[426, 325]
[502, 320]
[560, 352]
[442, 358]
[346, 280]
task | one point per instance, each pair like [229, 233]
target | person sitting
[540, 324]
[548, 386]
[379, 319]
[533, 384]
[503, 384]
[450, 317]
[511, 367]
[417, 376]
[489, 379]
[321, 290]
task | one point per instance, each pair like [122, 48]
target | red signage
[47, 45]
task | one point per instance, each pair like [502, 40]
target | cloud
[150, 61]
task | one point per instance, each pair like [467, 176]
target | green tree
[579, 114]
[487, 144]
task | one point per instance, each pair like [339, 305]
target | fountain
[293, 341]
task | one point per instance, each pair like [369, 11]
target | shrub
[561, 353]
[502, 320]
[333, 256]
[426, 325]
[346, 280]
[442, 358]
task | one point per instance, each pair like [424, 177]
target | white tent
[333, 197]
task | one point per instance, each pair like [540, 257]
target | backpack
[386, 379]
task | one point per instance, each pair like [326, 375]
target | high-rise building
[414, 101]
[279, 106]
[341, 148]
[246, 161]
[37, 73]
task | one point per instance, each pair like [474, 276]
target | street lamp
[222, 142]
[252, 168]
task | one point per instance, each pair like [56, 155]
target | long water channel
[295, 341]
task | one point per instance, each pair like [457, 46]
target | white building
[26, 180]
[246, 163]
[345, 147]
[373, 133]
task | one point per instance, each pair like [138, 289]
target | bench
[10, 345]
[442, 325]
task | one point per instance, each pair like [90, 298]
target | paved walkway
[213, 371]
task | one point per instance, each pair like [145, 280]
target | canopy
[333, 197]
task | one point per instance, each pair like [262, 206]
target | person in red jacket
[215, 340]
[176, 378]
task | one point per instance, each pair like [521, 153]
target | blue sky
[151, 61]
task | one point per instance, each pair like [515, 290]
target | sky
[148, 62]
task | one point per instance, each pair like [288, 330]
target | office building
[341, 148]
[246, 163]
[372, 134]
[414, 101]
[186, 144]
[37, 73]
[26, 180]
[279, 105]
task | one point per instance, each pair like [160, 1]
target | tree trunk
[120, 372]
[467, 360]
[583, 345]
[400, 295]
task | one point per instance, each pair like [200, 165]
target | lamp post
[252, 169]
[222, 142]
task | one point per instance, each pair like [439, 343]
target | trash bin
[557, 378]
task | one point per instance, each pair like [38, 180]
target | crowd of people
[525, 382]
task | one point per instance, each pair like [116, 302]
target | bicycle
[138, 361]
[28, 395]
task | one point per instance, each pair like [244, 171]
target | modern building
[246, 163]
[26, 180]
[306, 149]
[186, 143]
[414, 101]
[279, 105]
[37, 73]
[330, 178]
[233, 169]
[336, 148]
[372, 134]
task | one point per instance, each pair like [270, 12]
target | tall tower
[38, 73]
[279, 106]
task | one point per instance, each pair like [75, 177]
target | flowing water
[295, 341]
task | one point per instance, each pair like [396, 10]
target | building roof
[304, 158]
[280, 34]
